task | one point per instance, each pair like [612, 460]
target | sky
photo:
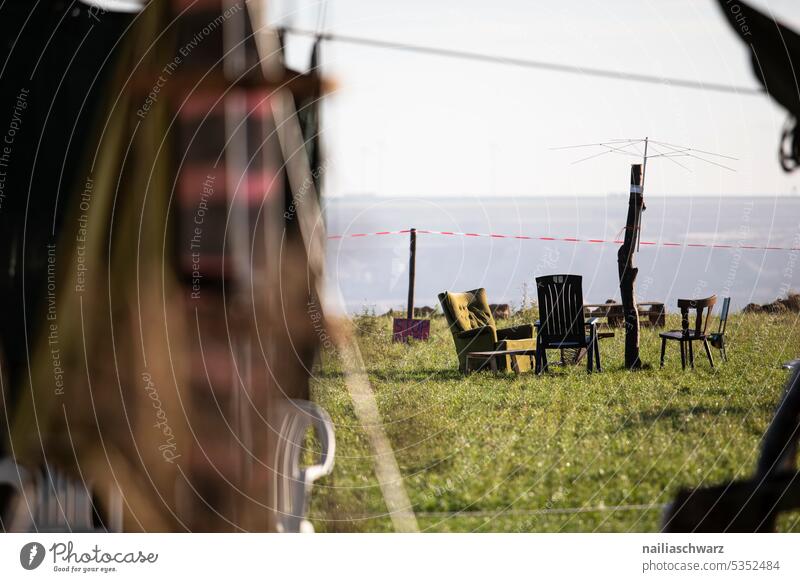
[400, 124]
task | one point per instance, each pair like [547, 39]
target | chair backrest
[561, 307]
[293, 482]
[467, 310]
[700, 305]
[723, 315]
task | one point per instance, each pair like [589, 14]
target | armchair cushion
[481, 339]
[524, 363]
[469, 309]
[468, 334]
[517, 344]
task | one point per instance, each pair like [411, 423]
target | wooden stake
[412, 261]
[627, 272]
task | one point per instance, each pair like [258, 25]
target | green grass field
[566, 451]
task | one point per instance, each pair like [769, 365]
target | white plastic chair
[293, 483]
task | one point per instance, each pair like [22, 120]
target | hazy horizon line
[576, 195]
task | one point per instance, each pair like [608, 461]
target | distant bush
[367, 323]
[790, 303]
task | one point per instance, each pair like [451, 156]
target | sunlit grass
[550, 453]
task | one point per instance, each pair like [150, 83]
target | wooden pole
[412, 261]
[627, 272]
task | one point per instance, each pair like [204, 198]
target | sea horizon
[371, 272]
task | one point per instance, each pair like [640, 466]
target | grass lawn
[566, 451]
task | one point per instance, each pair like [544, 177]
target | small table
[651, 313]
[492, 356]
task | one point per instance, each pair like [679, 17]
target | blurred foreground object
[52, 502]
[775, 50]
[751, 505]
[293, 482]
[180, 315]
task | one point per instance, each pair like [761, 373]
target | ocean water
[372, 272]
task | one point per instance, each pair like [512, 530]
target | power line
[531, 64]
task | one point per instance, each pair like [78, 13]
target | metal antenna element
[638, 148]
[659, 149]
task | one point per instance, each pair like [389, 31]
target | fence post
[412, 261]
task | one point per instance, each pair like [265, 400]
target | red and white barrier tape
[563, 239]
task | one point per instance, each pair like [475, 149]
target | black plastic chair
[717, 339]
[562, 323]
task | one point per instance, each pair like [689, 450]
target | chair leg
[541, 359]
[691, 354]
[663, 349]
[597, 354]
[722, 350]
[590, 357]
[683, 354]
[708, 352]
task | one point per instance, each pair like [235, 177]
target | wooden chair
[686, 336]
[562, 323]
[718, 339]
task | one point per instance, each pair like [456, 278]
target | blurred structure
[749, 505]
[160, 283]
[775, 48]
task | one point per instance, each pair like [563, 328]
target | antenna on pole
[633, 224]
[644, 207]
[644, 161]
[660, 149]
[646, 149]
